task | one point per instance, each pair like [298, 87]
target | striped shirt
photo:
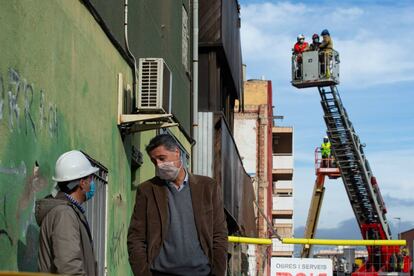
[75, 202]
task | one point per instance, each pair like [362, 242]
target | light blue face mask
[91, 192]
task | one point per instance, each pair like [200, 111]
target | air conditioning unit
[154, 86]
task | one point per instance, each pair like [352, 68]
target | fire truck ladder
[360, 185]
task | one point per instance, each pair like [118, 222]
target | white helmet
[72, 165]
[325, 137]
[301, 36]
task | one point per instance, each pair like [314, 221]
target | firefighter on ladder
[326, 152]
[326, 48]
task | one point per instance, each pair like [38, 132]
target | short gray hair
[165, 140]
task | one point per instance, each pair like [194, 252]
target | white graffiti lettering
[28, 101]
[13, 170]
[18, 87]
[13, 92]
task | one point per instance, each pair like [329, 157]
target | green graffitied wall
[58, 91]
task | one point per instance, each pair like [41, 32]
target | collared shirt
[75, 202]
[171, 184]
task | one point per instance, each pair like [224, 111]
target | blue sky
[374, 39]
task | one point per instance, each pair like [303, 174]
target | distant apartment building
[282, 188]
[253, 134]
[267, 153]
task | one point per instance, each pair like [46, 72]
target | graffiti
[1, 97]
[20, 170]
[116, 247]
[53, 120]
[21, 97]
[28, 93]
[13, 92]
[42, 116]
[3, 231]
[52, 116]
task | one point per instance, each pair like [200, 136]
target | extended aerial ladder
[321, 70]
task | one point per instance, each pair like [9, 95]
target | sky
[374, 39]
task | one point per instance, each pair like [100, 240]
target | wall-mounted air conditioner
[154, 86]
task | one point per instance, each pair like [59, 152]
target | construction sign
[301, 267]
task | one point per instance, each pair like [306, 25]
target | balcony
[282, 203]
[282, 162]
[282, 167]
[282, 222]
[283, 187]
[282, 129]
[282, 142]
[283, 184]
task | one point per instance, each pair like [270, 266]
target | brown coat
[327, 44]
[149, 223]
[65, 242]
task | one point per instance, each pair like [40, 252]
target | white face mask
[167, 171]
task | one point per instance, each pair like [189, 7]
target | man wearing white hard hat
[65, 242]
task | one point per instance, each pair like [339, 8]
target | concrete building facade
[282, 188]
[267, 154]
[253, 134]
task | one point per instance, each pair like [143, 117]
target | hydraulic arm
[323, 168]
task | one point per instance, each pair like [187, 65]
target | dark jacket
[314, 46]
[65, 242]
[149, 223]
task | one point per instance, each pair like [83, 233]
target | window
[96, 214]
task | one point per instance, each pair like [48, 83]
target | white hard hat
[73, 165]
[325, 137]
[301, 36]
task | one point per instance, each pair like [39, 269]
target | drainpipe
[134, 81]
[195, 84]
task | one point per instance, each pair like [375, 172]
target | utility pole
[399, 223]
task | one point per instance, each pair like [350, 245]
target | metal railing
[321, 162]
[325, 64]
[297, 66]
